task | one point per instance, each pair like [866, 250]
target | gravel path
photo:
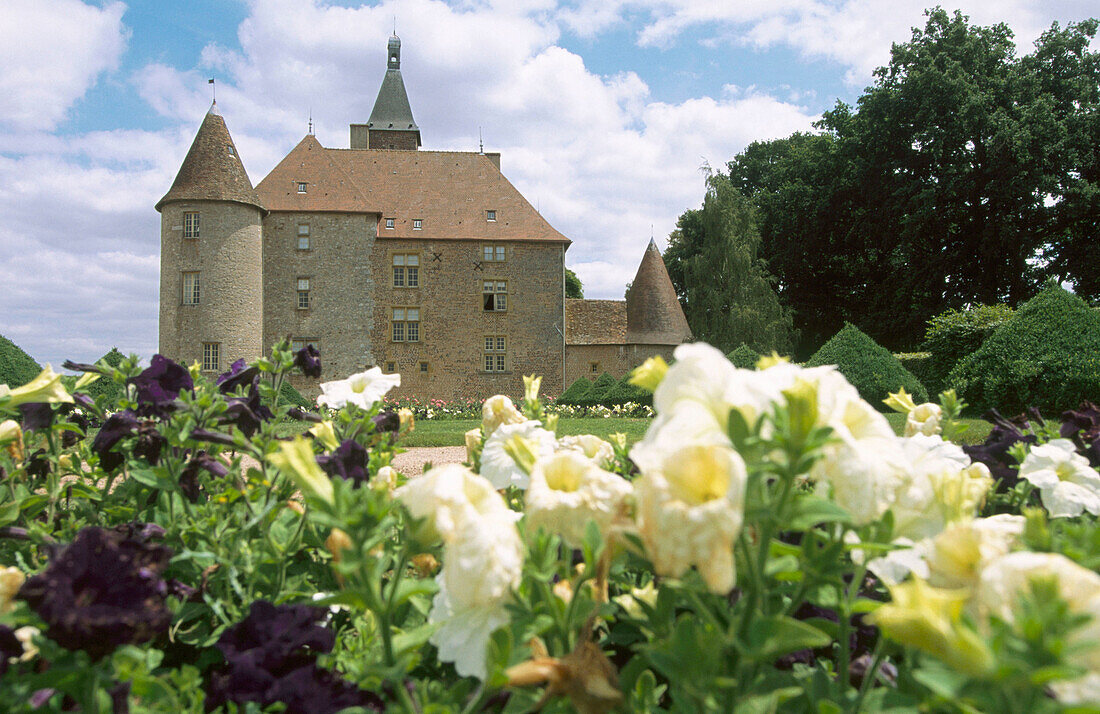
[411, 463]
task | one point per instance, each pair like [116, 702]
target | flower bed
[770, 545]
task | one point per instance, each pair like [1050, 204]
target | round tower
[211, 251]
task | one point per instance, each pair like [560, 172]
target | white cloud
[51, 52]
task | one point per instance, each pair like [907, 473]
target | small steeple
[653, 312]
[212, 170]
[391, 124]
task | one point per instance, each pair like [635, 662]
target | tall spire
[212, 170]
[653, 312]
[391, 124]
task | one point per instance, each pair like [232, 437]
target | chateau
[426, 263]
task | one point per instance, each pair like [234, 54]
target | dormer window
[301, 187]
[491, 216]
[418, 223]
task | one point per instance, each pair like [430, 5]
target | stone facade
[448, 358]
[333, 251]
[229, 307]
[616, 360]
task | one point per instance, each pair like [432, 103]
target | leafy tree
[726, 290]
[574, 288]
[964, 175]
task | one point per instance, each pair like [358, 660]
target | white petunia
[499, 466]
[593, 447]
[498, 410]
[690, 502]
[481, 566]
[362, 389]
[1067, 484]
[957, 556]
[1005, 579]
[448, 497]
[924, 419]
[862, 476]
[568, 490]
[942, 487]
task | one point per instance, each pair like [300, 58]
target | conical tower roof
[653, 313]
[212, 170]
[392, 110]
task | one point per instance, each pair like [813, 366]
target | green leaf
[9, 512]
[775, 636]
[808, 511]
[407, 589]
[942, 681]
[414, 638]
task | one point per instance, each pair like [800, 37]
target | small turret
[211, 281]
[653, 312]
[391, 124]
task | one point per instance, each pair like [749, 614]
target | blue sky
[604, 111]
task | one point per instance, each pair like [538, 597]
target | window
[406, 324]
[191, 224]
[191, 292]
[491, 216]
[301, 187]
[494, 294]
[496, 353]
[418, 223]
[229, 148]
[424, 367]
[594, 367]
[492, 253]
[303, 293]
[210, 356]
[406, 270]
[300, 343]
[303, 236]
[391, 367]
[389, 223]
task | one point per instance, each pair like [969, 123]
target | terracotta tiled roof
[448, 191]
[653, 313]
[595, 322]
[212, 170]
[327, 187]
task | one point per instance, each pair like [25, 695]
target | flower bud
[325, 434]
[473, 444]
[900, 401]
[425, 564]
[801, 408]
[297, 507]
[531, 388]
[770, 360]
[407, 419]
[649, 374]
[11, 579]
[11, 436]
[295, 459]
[563, 589]
[337, 542]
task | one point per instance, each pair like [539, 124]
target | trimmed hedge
[868, 366]
[920, 364]
[624, 392]
[744, 357]
[1047, 356]
[956, 334]
[598, 393]
[577, 391]
[289, 395]
[16, 366]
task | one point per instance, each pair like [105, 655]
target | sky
[606, 113]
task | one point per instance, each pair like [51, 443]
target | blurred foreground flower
[295, 458]
[46, 387]
[362, 389]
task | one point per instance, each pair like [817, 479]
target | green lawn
[450, 432]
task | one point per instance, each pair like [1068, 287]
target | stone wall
[227, 256]
[448, 360]
[341, 285]
[614, 359]
[391, 139]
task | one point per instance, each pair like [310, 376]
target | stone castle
[426, 263]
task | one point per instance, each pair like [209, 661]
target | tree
[574, 288]
[725, 289]
[963, 175]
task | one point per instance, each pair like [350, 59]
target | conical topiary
[624, 392]
[600, 388]
[1045, 356]
[577, 391]
[16, 366]
[744, 357]
[870, 367]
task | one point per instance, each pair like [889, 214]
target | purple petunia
[160, 385]
[121, 425]
[349, 461]
[238, 375]
[271, 657]
[308, 359]
[103, 590]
